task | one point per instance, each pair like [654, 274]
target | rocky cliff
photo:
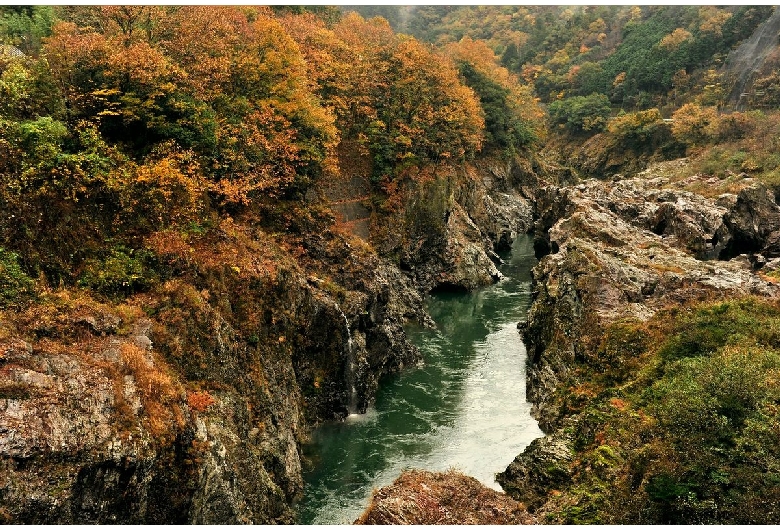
[619, 252]
[187, 404]
[454, 221]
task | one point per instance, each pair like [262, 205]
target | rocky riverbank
[616, 255]
[188, 403]
[624, 249]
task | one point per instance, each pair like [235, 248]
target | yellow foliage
[713, 19]
[692, 123]
[633, 121]
[672, 41]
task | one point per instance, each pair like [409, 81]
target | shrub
[736, 125]
[15, 285]
[122, 272]
[693, 124]
[200, 401]
[639, 130]
[709, 328]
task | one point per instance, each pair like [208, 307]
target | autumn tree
[673, 40]
[395, 96]
[643, 131]
[693, 124]
[137, 118]
[513, 119]
[429, 115]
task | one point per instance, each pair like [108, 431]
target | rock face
[623, 250]
[542, 467]
[454, 225]
[753, 222]
[422, 497]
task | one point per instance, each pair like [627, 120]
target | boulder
[424, 497]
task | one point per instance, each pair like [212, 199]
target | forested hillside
[631, 84]
[165, 119]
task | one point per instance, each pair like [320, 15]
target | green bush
[709, 328]
[122, 272]
[15, 285]
[681, 419]
[25, 26]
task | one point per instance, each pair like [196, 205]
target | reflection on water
[464, 409]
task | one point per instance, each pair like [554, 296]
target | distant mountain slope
[743, 63]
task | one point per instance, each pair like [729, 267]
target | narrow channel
[464, 409]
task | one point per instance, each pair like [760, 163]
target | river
[464, 409]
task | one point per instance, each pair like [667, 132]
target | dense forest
[173, 233]
[628, 82]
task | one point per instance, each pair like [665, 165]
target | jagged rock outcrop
[423, 497]
[542, 467]
[622, 250]
[753, 223]
[614, 260]
[454, 226]
[351, 342]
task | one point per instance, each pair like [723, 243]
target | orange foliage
[713, 19]
[402, 101]
[200, 401]
[169, 189]
[438, 115]
[521, 100]
[160, 393]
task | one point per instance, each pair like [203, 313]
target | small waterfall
[748, 58]
[352, 407]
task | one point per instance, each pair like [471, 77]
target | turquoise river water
[465, 408]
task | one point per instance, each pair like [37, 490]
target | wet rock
[192, 410]
[544, 466]
[622, 250]
[78, 441]
[467, 264]
[611, 263]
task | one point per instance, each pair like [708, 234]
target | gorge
[449, 264]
